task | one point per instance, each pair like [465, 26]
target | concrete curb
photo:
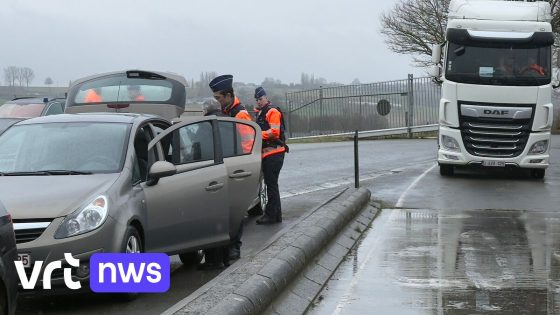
[252, 287]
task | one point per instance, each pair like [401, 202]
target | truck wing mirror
[436, 53]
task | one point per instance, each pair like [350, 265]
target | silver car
[105, 182]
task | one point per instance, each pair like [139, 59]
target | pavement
[302, 255]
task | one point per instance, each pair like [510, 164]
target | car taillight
[118, 106]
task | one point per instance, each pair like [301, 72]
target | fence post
[410, 89]
[361, 115]
[289, 115]
[356, 162]
[321, 107]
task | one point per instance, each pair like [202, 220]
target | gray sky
[69, 39]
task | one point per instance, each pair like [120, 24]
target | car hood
[40, 197]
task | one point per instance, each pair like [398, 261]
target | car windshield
[116, 89]
[14, 110]
[68, 147]
[498, 64]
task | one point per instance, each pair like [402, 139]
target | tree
[27, 75]
[48, 81]
[356, 81]
[414, 25]
[11, 75]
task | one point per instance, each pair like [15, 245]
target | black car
[8, 254]
[30, 107]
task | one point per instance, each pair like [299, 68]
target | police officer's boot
[267, 219]
[279, 216]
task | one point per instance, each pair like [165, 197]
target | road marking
[411, 186]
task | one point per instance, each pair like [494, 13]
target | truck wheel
[191, 258]
[538, 173]
[446, 170]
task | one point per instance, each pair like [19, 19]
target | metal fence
[400, 106]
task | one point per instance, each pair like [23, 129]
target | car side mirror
[161, 169]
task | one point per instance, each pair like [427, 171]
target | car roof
[6, 123]
[90, 117]
[33, 100]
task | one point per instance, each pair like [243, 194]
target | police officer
[270, 119]
[222, 87]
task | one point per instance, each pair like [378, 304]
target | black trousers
[271, 166]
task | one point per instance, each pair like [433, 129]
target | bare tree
[48, 81]
[414, 25]
[27, 75]
[11, 75]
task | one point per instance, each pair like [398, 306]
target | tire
[446, 170]
[260, 207]
[132, 244]
[538, 173]
[191, 258]
[3, 299]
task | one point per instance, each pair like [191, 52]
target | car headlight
[450, 143]
[539, 147]
[85, 219]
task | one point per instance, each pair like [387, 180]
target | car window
[55, 109]
[237, 139]
[123, 89]
[191, 143]
[228, 138]
[73, 146]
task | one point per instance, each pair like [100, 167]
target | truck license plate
[494, 163]
[25, 259]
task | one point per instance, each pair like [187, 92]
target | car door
[188, 210]
[243, 164]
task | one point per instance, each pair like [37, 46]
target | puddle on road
[450, 262]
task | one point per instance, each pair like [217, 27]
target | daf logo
[496, 112]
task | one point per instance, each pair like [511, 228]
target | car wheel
[538, 173]
[259, 208]
[263, 194]
[191, 258]
[132, 244]
[446, 170]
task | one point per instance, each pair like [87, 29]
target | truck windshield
[500, 64]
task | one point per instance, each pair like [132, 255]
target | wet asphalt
[478, 242]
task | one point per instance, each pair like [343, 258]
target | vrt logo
[29, 283]
[495, 112]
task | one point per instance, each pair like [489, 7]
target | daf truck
[496, 78]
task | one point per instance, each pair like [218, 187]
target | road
[312, 173]
[473, 243]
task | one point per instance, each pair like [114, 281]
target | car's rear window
[15, 110]
[122, 89]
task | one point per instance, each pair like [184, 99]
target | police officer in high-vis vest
[222, 87]
[270, 119]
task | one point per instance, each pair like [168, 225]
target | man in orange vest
[222, 87]
[93, 96]
[270, 119]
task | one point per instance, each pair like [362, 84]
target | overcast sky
[69, 39]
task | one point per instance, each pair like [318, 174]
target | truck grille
[495, 137]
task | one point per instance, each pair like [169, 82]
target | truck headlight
[85, 219]
[539, 147]
[450, 143]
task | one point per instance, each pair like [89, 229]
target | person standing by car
[271, 121]
[222, 87]
[135, 94]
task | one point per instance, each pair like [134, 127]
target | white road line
[411, 186]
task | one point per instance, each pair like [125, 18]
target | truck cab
[496, 108]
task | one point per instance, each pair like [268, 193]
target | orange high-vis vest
[246, 132]
[92, 97]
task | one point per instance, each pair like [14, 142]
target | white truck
[495, 108]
